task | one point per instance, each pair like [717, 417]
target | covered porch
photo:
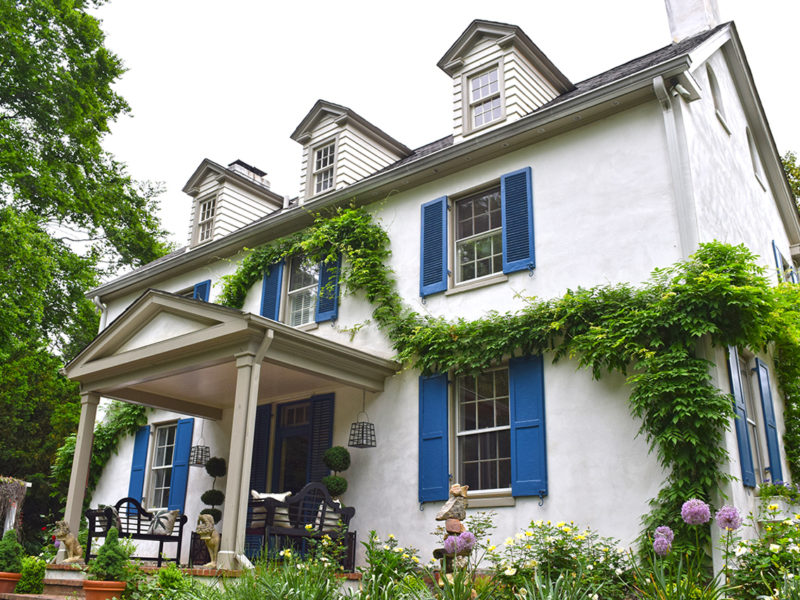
[204, 360]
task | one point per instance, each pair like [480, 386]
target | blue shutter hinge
[423, 301]
[421, 507]
[541, 497]
[530, 269]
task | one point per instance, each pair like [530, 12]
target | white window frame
[469, 104]
[289, 295]
[204, 223]
[458, 435]
[327, 170]
[153, 468]
[456, 243]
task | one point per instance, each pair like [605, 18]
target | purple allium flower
[466, 541]
[57, 543]
[665, 532]
[451, 544]
[695, 512]
[661, 546]
[728, 518]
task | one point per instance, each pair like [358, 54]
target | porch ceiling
[178, 353]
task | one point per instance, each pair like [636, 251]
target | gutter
[370, 189]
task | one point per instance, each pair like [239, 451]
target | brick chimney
[689, 17]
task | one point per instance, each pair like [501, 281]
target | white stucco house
[539, 185]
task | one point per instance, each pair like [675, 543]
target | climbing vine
[655, 334]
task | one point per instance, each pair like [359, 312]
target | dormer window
[205, 224]
[485, 99]
[323, 167]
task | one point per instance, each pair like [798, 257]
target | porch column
[80, 466]
[248, 370]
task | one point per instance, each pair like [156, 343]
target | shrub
[112, 560]
[336, 484]
[337, 458]
[213, 497]
[31, 580]
[216, 467]
[11, 553]
[783, 489]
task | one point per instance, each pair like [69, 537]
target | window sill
[723, 122]
[473, 130]
[491, 500]
[308, 326]
[477, 283]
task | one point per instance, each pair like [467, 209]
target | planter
[8, 581]
[785, 510]
[103, 590]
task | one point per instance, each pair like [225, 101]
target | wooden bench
[133, 522]
[278, 525]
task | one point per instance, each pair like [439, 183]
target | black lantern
[199, 454]
[362, 432]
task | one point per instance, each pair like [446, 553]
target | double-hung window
[486, 431]
[160, 464]
[485, 98]
[786, 271]
[493, 233]
[301, 295]
[205, 220]
[324, 159]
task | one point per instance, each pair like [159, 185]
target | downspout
[103, 310]
[244, 490]
[678, 152]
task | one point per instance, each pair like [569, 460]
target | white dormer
[340, 147]
[499, 75]
[227, 199]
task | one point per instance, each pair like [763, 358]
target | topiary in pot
[110, 571]
[31, 579]
[337, 459]
[11, 553]
[216, 467]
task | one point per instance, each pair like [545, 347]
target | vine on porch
[652, 333]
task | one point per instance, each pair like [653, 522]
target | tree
[69, 215]
[792, 170]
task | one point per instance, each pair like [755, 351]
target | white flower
[774, 548]
[589, 567]
[510, 571]
[618, 571]
[595, 597]
[741, 549]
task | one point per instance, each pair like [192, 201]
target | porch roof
[177, 353]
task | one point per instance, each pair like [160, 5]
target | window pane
[469, 447]
[486, 385]
[504, 473]
[470, 475]
[504, 444]
[488, 475]
[488, 445]
[501, 412]
[485, 414]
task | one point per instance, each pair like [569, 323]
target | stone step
[54, 589]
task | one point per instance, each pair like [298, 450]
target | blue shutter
[328, 291]
[258, 463]
[321, 435]
[516, 194]
[271, 292]
[528, 447]
[740, 409]
[778, 262]
[433, 247]
[139, 463]
[434, 479]
[201, 290]
[180, 464]
[773, 449]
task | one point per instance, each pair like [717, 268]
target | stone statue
[456, 505]
[207, 533]
[69, 542]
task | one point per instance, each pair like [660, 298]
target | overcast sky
[228, 80]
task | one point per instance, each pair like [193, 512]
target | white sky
[232, 79]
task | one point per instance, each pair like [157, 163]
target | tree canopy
[69, 216]
[792, 170]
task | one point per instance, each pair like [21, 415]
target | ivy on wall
[654, 334]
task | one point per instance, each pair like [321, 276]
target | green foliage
[336, 484]
[112, 562]
[337, 458]
[792, 171]
[216, 467]
[169, 584]
[31, 580]
[387, 562]
[213, 497]
[780, 489]
[563, 587]
[679, 579]
[10, 553]
[559, 550]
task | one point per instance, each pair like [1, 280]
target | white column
[80, 465]
[236, 494]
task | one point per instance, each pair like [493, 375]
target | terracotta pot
[8, 581]
[103, 590]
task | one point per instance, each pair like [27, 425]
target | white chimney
[689, 17]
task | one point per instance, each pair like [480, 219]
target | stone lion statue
[69, 542]
[207, 532]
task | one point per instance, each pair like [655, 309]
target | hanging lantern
[362, 432]
[199, 454]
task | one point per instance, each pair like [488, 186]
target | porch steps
[54, 589]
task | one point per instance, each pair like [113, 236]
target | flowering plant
[783, 489]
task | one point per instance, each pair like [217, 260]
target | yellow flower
[510, 571]
[309, 527]
[538, 522]
[772, 507]
[580, 537]
[391, 536]
[528, 533]
[518, 536]
[405, 555]
[509, 541]
[566, 529]
[559, 524]
[492, 548]
[415, 559]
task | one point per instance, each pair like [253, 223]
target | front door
[292, 455]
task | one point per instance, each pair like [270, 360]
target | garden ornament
[207, 533]
[69, 542]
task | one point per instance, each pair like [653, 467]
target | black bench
[278, 525]
[133, 522]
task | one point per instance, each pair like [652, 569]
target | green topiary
[112, 560]
[336, 484]
[214, 512]
[337, 458]
[216, 467]
[11, 553]
[213, 497]
[31, 580]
